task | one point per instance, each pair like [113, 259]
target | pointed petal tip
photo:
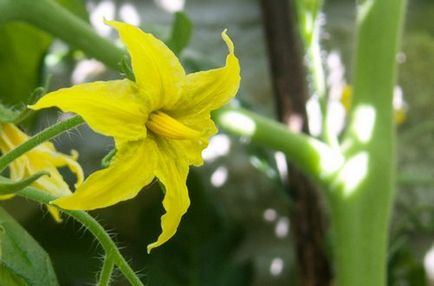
[34, 106]
[228, 41]
[43, 102]
[117, 25]
[111, 23]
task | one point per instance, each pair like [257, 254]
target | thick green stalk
[362, 194]
[45, 135]
[310, 155]
[53, 18]
[95, 228]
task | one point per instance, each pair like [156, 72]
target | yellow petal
[55, 213]
[205, 91]
[112, 108]
[45, 155]
[42, 158]
[158, 73]
[53, 184]
[10, 137]
[172, 173]
[131, 169]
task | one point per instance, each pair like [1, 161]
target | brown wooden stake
[290, 93]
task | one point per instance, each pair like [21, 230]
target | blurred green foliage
[20, 67]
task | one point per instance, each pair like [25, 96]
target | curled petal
[172, 174]
[205, 91]
[112, 108]
[53, 184]
[157, 70]
[131, 169]
[45, 155]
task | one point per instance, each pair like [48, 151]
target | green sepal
[181, 33]
[8, 186]
[106, 161]
[8, 114]
[126, 69]
[19, 112]
[23, 261]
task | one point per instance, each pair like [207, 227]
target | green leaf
[21, 54]
[23, 261]
[181, 33]
[8, 186]
[9, 278]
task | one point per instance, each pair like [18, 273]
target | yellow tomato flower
[160, 124]
[42, 158]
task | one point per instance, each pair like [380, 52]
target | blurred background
[238, 229]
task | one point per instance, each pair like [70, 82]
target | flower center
[162, 124]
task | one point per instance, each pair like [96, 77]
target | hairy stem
[95, 228]
[106, 271]
[45, 135]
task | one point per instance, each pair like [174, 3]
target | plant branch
[362, 195]
[310, 155]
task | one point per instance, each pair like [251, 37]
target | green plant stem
[45, 135]
[53, 18]
[106, 271]
[95, 228]
[310, 155]
[362, 195]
